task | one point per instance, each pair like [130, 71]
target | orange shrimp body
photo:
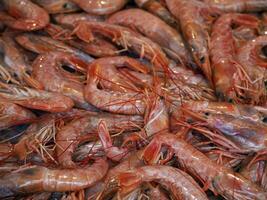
[185, 188]
[24, 15]
[12, 114]
[227, 72]
[41, 179]
[155, 29]
[218, 178]
[238, 6]
[189, 13]
[100, 7]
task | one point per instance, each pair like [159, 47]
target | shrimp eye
[202, 60]
[264, 120]
[264, 50]
[206, 113]
[66, 5]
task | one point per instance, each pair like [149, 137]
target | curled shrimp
[67, 138]
[36, 99]
[254, 63]
[42, 179]
[185, 188]
[191, 16]
[238, 6]
[12, 114]
[229, 75]
[155, 29]
[217, 178]
[57, 6]
[155, 7]
[24, 15]
[103, 7]
[47, 70]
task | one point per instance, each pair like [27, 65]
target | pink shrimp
[68, 137]
[24, 15]
[185, 188]
[228, 73]
[238, 6]
[217, 178]
[57, 6]
[191, 15]
[36, 99]
[12, 114]
[254, 63]
[103, 7]
[42, 179]
[155, 29]
[47, 70]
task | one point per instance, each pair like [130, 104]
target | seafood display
[133, 100]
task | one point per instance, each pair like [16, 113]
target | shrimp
[12, 114]
[69, 20]
[24, 15]
[113, 101]
[68, 137]
[217, 178]
[98, 48]
[250, 57]
[128, 39]
[157, 9]
[15, 62]
[47, 70]
[228, 74]
[235, 110]
[190, 14]
[155, 29]
[111, 79]
[57, 6]
[42, 179]
[42, 44]
[185, 188]
[238, 6]
[100, 7]
[36, 99]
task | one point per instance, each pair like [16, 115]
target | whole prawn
[155, 29]
[191, 15]
[41, 179]
[228, 74]
[100, 7]
[24, 15]
[185, 188]
[217, 178]
[238, 6]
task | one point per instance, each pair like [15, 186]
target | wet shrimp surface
[133, 99]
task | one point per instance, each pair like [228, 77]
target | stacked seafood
[141, 99]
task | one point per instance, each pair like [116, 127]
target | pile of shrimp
[133, 100]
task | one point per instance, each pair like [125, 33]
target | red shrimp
[185, 188]
[68, 137]
[12, 114]
[191, 15]
[42, 44]
[227, 72]
[42, 179]
[100, 7]
[254, 63]
[109, 75]
[112, 101]
[155, 29]
[57, 6]
[16, 63]
[155, 7]
[24, 15]
[47, 70]
[217, 178]
[238, 6]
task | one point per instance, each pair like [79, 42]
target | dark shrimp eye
[202, 60]
[230, 100]
[264, 50]
[66, 5]
[264, 120]
[206, 113]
